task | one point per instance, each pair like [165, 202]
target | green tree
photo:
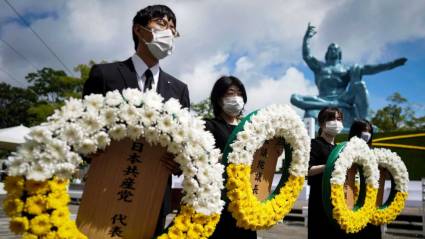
[14, 104]
[397, 115]
[53, 87]
[203, 108]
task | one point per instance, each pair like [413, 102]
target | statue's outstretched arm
[373, 69]
[311, 61]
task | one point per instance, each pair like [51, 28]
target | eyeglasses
[162, 24]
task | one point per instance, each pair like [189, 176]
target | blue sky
[257, 41]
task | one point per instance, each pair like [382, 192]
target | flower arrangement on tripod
[398, 195]
[39, 172]
[275, 121]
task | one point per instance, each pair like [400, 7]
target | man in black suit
[154, 30]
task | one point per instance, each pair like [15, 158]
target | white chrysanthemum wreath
[356, 151]
[275, 121]
[398, 195]
[39, 172]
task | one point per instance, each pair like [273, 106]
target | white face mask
[333, 127]
[233, 105]
[366, 136]
[162, 43]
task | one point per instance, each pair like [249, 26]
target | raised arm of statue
[311, 61]
[373, 69]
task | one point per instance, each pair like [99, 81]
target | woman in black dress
[319, 225]
[228, 98]
[363, 129]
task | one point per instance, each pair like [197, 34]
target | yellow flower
[57, 199]
[14, 185]
[19, 225]
[40, 225]
[51, 235]
[163, 236]
[67, 229]
[29, 236]
[388, 214]
[36, 187]
[175, 233]
[60, 216]
[58, 184]
[13, 206]
[35, 205]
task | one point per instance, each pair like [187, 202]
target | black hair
[219, 89]
[148, 13]
[328, 114]
[360, 126]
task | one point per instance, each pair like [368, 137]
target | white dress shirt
[141, 67]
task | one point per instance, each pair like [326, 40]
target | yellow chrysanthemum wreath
[399, 180]
[342, 157]
[35, 207]
[37, 195]
[272, 122]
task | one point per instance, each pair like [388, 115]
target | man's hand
[168, 162]
[310, 31]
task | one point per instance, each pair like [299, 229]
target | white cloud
[254, 35]
[278, 91]
[203, 76]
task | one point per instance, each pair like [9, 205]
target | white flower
[16, 165]
[87, 146]
[71, 133]
[129, 114]
[152, 99]
[393, 163]
[166, 123]
[65, 170]
[93, 102]
[57, 148]
[74, 158]
[134, 131]
[110, 116]
[38, 172]
[148, 116]
[133, 96]
[91, 122]
[40, 134]
[114, 98]
[83, 127]
[72, 109]
[102, 140]
[118, 132]
[172, 106]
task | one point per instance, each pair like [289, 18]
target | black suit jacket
[122, 75]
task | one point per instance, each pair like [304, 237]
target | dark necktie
[148, 80]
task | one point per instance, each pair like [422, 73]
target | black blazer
[122, 75]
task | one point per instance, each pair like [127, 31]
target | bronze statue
[339, 85]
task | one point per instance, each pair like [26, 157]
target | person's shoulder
[211, 123]
[172, 79]
[108, 65]
[316, 142]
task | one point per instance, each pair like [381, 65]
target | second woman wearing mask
[330, 122]
[228, 98]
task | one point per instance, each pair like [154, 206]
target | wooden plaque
[383, 174]
[263, 167]
[124, 191]
[350, 187]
